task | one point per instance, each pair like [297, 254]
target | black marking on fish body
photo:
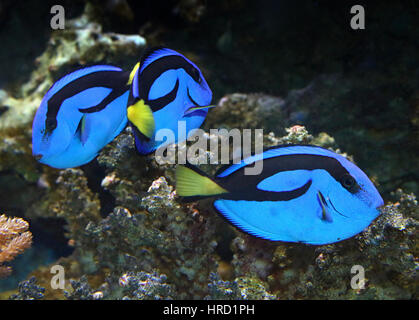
[244, 187]
[114, 94]
[334, 208]
[115, 80]
[192, 100]
[161, 65]
[254, 194]
[160, 103]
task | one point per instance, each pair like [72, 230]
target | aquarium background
[115, 224]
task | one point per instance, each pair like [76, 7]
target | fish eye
[348, 181]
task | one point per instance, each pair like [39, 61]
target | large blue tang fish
[79, 115]
[175, 90]
[304, 194]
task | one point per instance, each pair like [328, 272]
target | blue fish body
[79, 115]
[304, 194]
[177, 93]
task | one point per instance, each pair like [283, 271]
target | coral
[81, 290]
[145, 286]
[245, 111]
[69, 196]
[158, 233]
[130, 286]
[222, 290]
[14, 239]
[242, 288]
[29, 290]
[253, 289]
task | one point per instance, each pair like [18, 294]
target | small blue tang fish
[304, 194]
[79, 115]
[175, 90]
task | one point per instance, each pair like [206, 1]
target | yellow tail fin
[191, 183]
[141, 116]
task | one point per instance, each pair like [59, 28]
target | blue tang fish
[175, 90]
[79, 115]
[304, 194]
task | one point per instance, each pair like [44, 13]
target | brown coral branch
[14, 239]
[10, 227]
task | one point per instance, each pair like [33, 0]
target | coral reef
[242, 288]
[148, 233]
[81, 290]
[29, 290]
[14, 239]
[245, 111]
[157, 233]
[130, 286]
[145, 286]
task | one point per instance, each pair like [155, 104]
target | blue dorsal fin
[153, 54]
[77, 74]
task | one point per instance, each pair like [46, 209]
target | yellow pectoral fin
[192, 109]
[132, 74]
[141, 116]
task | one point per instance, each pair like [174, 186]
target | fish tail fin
[141, 116]
[193, 184]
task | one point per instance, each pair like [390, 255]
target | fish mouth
[38, 156]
